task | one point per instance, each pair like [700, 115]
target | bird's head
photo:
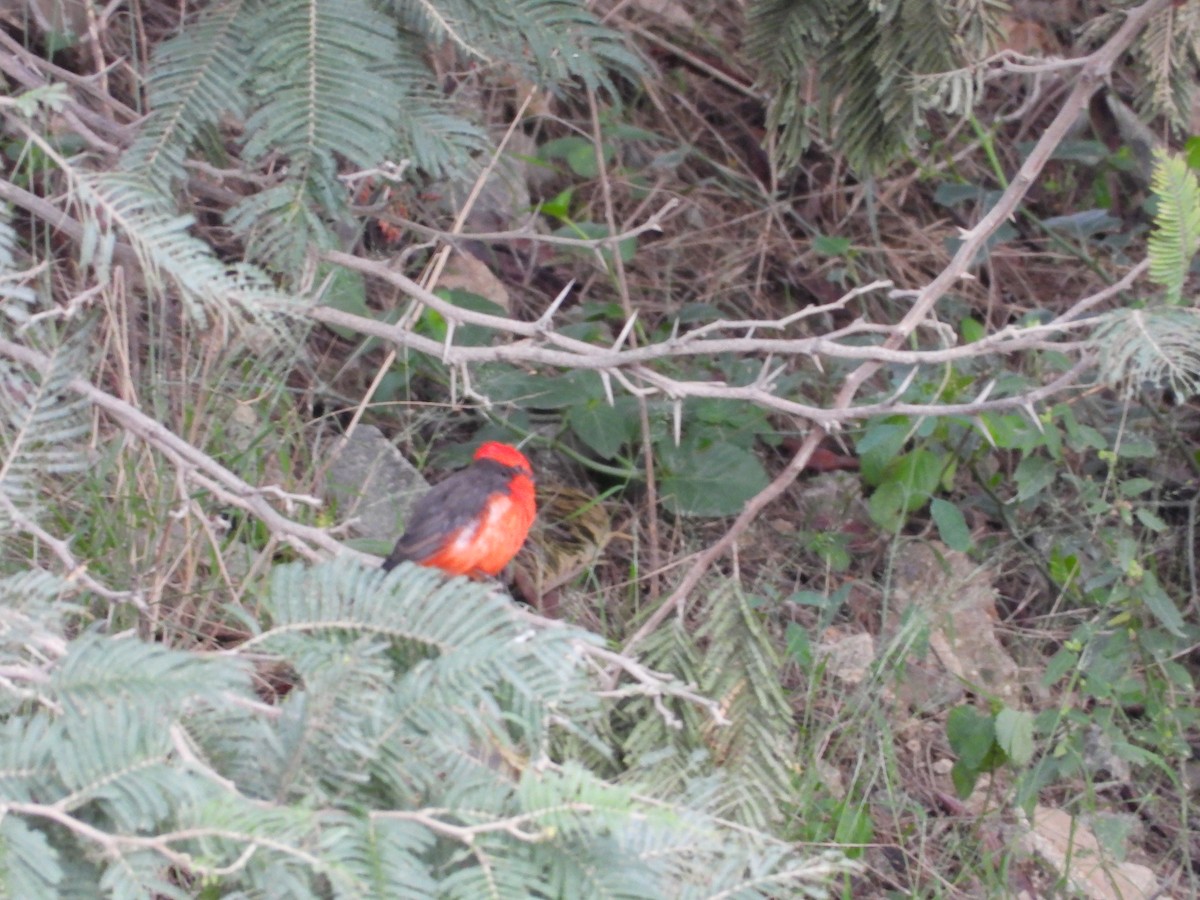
[505, 454]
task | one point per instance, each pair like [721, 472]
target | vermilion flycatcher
[475, 521]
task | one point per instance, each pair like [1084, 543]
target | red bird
[475, 521]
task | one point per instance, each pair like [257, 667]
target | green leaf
[1034, 473]
[1160, 605]
[886, 506]
[604, 429]
[799, 645]
[559, 206]
[531, 391]
[963, 778]
[881, 442]
[971, 735]
[345, 291]
[1014, 734]
[596, 231]
[1191, 149]
[951, 524]
[433, 324]
[712, 480]
[1060, 664]
[854, 826]
[910, 482]
[1133, 487]
[1150, 521]
[828, 245]
[730, 421]
[971, 329]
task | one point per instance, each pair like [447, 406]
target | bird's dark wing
[447, 508]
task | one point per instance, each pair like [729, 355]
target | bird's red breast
[474, 522]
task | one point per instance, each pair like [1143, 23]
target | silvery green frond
[33, 613]
[1160, 346]
[282, 223]
[319, 82]
[1176, 236]
[119, 759]
[107, 670]
[15, 295]
[124, 206]
[195, 78]
[557, 39]
[43, 422]
[29, 865]
[882, 63]
[757, 743]
[385, 856]
[739, 771]
[1169, 51]
[26, 763]
[408, 757]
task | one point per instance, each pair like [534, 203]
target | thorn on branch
[606, 382]
[624, 335]
[543, 322]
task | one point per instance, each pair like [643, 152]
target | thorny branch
[1095, 68]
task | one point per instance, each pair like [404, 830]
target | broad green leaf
[559, 206]
[1034, 473]
[886, 506]
[713, 480]
[434, 325]
[799, 645]
[963, 777]
[541, 391]
[1014, 734]
[971, 735]
[1133, 487]
[951, 524]
[971, 330]
[1160, 605]
[603, 428]
[1150, 521]
[1060, 664]
[881, 443]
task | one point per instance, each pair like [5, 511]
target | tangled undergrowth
[868, 501]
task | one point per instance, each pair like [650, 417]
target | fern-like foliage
[1169, 52]
[1155, 344]
[739, 769]
[42, 423]
[118, 206]
[1159, 346]
[413, 755]
[551, 41]
[16, 297]
[195, 79]
[868, 60]
[321, 85]
[1176, 236]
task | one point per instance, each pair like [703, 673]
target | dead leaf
[465, 272]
